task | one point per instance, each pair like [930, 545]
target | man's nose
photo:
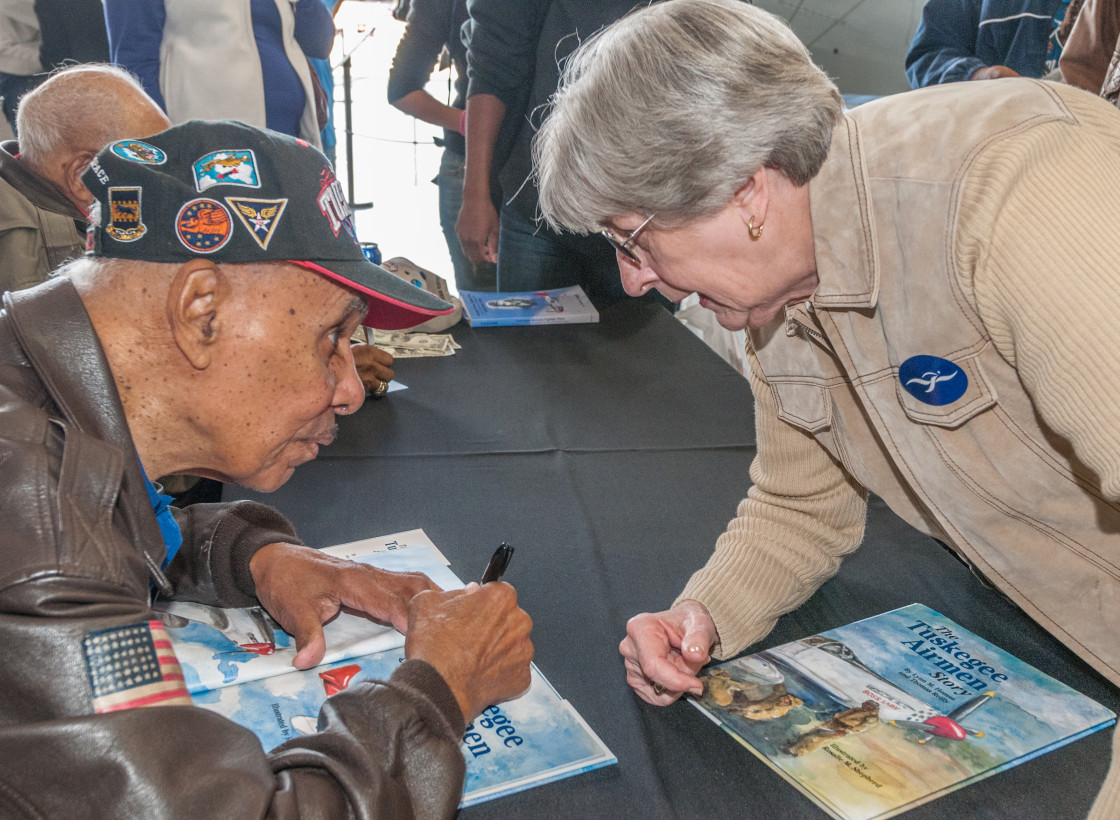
[349, 393]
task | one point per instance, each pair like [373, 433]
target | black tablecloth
[612, 456]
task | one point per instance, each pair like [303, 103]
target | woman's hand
[663, 651]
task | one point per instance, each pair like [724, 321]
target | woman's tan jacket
[973, 223]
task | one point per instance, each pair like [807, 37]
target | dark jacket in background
[71, 31]
[957, 37]
[514, 50]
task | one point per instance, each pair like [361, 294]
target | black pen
[498, 563]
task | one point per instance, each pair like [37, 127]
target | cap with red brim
[239, 194]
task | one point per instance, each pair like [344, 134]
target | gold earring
[756, 233]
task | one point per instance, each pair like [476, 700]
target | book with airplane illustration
[532, 307]
[237, 662]
[884, 714]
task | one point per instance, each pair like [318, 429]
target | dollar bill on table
[404, 345]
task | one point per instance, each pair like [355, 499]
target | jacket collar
[38, 190]
[843, 228]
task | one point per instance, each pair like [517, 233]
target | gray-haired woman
[929, 284]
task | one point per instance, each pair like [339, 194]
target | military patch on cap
[137, 151]
[258, 215]
[333, 204]
[204, 225]
[125, 223]
[230, 167]
[132, 666]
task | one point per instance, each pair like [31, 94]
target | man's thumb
[310, 643]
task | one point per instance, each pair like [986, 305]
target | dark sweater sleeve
[135, 34]
[502, 52]
[212, 566]
[429, 23]
[944, 46]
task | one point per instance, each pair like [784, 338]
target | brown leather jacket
[1091, 57]
[79, 551]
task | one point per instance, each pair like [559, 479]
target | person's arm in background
[314, 28]
[501, 58]
[944, 46]
[135, 30]
[428, 26]
[1091, 44]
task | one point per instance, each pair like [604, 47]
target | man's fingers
[308, 632]
[383, 595]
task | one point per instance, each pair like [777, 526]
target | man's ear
[196, 302]
[753, 197]
[71, 179]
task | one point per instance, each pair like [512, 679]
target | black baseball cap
[236, 193]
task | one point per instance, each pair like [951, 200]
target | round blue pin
[932, 380]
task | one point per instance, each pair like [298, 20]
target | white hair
[81, 107]
[670, 110]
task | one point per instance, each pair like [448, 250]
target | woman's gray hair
[670, 110]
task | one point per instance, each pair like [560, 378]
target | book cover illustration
[544, 307]
[881, 715]
[219, 647]
[510, 747]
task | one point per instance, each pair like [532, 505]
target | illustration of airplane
[551, 300]
[248, 628]
[833, 667]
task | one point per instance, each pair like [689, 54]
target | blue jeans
[533, 257]
[468, 275]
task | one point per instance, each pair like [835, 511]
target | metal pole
[347, 104]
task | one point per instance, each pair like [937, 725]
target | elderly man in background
[62, 124]
[205, 340]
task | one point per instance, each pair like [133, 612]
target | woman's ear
[196, 302]
[753, 197]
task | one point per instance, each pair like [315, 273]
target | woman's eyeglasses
[623, 245]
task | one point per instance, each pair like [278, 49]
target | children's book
[879, 716]
[237, 662]
[219, 647]
[541, 307]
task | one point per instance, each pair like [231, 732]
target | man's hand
[478, 228]
[477, 639]
[993, 72]
[302, 589]
[663, 651]
[375, 366]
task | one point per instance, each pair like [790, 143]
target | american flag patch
[133, 665]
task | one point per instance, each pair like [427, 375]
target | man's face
[283, 370]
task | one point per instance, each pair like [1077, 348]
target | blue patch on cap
[229, 167]
[932, 380]
[137, 151]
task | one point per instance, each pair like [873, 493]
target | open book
[238, 663]
[876, 717]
